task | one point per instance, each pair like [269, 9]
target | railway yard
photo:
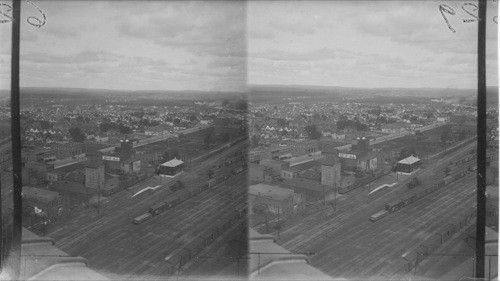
[161, 246]
[346, 244]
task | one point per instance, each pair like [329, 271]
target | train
[454, 175]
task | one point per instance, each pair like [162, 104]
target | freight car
[378, 215]
[142, 218]
[394, 206]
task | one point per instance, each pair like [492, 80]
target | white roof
[172, 163]
[409, 160]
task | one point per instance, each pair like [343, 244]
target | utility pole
[481, 142]
[15, 248]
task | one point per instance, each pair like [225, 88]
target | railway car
[394, 205]
[448, 180]
[173, 263]
[237, 170]
[172, 201]
[433, 243]
[142, 218]
[378, 215]
[243, 210]
[186, 256]
[409, 198]
[158, 208]
[441, 184]
[183, 195]
[196, 246]
[421, 193]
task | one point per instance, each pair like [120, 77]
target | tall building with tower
[94, 171]
[330, 171]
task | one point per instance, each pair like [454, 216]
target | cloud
[404, 23]
[207, 28]
[315, 55]
[82, 57]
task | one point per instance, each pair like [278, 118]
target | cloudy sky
[171, 45]
[366, 44]
[131, 45]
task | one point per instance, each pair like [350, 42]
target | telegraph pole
[15, 253]
[481, 142]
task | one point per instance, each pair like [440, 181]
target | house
[408, 165]
[273, 199]
[76, 192]
[310, 189]
[394, 128]
[43, 204]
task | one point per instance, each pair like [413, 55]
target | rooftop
[39, 194]
[268, 191]
[305, 184]
[409, 160]
[172, 163]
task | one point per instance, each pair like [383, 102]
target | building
[408, 165]
[394, 128]
[331, 171]
[130, 166]
[43, 204]
[77, 192]
[310, 189]
[358, 160]
[290, 173]
[273, 199]
[171, 168]
[94, 175]
[275, 165]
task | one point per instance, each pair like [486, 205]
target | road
[121, 250]
[347, 244]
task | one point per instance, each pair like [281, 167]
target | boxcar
[172, 201]
[379, 215]
[421, 194]
[158, 208]
[186, 256]
[183, 195]
[394, 206]
[142, 218]
[408, 199]
[173, 263]
[196, 246]
[448, 180]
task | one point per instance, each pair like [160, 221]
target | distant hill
[492, 95]
[268, 93]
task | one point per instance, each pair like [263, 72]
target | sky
[222, 46]
[366, 44]
[130, 45]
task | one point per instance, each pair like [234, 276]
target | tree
[407, 152]
[124, 129]
[281, 122]
[170, 154]
[254, 141]
[445, 135]
[312, 132]
[76, 134]
[208, 136]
